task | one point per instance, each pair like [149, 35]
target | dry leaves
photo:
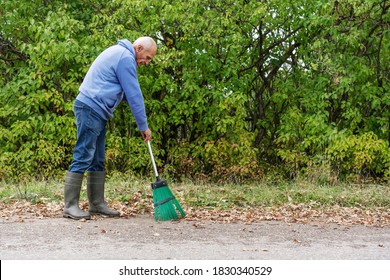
[290, 213]
[24, 209]
[301, 213]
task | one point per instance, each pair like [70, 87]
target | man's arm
[127, 76]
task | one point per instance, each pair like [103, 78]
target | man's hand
[146, 135]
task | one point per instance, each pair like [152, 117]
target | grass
[223, 196]
[31, 190]
[267, 195]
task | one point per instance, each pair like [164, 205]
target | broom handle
[153, 162]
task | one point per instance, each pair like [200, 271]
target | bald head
[145, 48]
[146, 42]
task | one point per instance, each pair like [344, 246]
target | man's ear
[139, 48]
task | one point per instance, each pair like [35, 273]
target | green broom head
[166, 206]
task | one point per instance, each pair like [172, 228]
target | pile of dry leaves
[289, 213]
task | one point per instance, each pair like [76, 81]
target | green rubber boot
[95, 191]
[72, 190]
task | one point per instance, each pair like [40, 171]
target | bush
[364, 155]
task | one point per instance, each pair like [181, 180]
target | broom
[166, 206]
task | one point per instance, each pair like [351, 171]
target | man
[111, 78]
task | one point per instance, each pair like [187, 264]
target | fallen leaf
[289, 213]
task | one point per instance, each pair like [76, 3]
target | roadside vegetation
[253, 104]
[222, 196]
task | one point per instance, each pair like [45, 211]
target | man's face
[143, 57]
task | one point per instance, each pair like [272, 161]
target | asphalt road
[141, 238]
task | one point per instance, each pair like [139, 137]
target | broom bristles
[166, 206]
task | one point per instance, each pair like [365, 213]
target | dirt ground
[141, 238]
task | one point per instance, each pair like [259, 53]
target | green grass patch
[31, 190]
[268, 195]
[223, 196]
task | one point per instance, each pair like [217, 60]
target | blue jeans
[89, 151]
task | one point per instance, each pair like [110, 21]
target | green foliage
[37, 125]
[237, 90]
[364, 154]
